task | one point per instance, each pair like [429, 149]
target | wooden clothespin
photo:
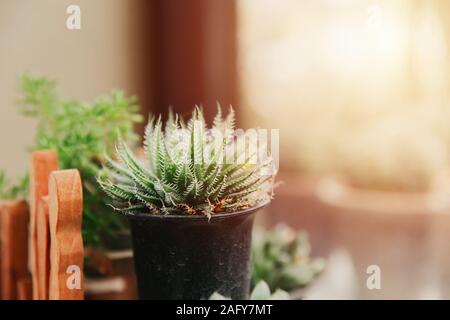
[43, 248]
[14, 218]
[24, 289]
[66, 244]
[42, 164]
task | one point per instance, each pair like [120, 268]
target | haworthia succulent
[186, 169]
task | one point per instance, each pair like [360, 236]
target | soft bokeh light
[357, 88]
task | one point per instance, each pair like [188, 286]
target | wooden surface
[43, 249]
[194, 50]
[14, 246]
[66, 243]
[116, 279]
[24, 289]
[42, 164]
[405, 234]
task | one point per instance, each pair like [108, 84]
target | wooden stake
[24, 289]
[66, 243]
[14, 239]
[43, 249]
[42, 164]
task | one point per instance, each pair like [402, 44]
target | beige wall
[104, 54]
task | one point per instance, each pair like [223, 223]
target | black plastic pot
[189, 257]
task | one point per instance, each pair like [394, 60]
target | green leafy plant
[260, 292]
[281, 257]
[189, 169]
[81, 133]
[11, 191]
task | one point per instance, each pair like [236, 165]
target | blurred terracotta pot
[405, 234]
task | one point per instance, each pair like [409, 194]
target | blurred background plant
[13, 190]
[260, 292]
[81, 133]
[281, 258]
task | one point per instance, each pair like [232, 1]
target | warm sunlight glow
[359, 86]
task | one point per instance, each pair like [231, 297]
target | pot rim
[218, 216]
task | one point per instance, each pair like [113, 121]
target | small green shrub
[11, 191]
[81, 133]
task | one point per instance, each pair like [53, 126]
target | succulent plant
[281, 257]
[260, 292]
[189, 169]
